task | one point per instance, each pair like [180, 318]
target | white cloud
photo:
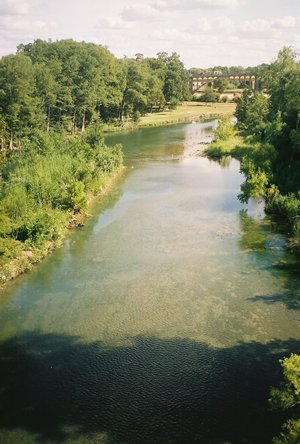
[223, 23]
[203, 25]
[112, 22]
[141, 12]
[271, 26]
[212, 26]
[24, 24]
[196, 4]
[256, 26]
[172, 35]
[14, 7]
[286, 22]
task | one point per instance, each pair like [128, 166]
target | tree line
[231, 70]
[272, 124]
[266, 139]
[67, 84]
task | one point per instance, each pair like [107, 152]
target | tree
[209, 95]
[82, 81]
[252, 112]
[135, 87]
[176, 83]
[287, 397]
[19, 101]
[47, 88]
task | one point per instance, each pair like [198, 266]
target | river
[162, 320]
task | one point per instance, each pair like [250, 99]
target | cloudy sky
[203, 32]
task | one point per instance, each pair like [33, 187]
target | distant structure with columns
[200, 82]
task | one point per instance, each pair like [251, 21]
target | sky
[204, 32]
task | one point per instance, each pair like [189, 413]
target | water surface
[162, 320]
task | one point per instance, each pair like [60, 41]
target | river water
[162, 320]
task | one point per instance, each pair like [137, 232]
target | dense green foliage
[287, 397]
[67, 84]
[273, 121]
[209, 95]
[43, 187]
[55, 100]
[267, 141]
[227, 141]
[271, 124]
[230, 70]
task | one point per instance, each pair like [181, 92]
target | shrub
[225, 129]
[287, 207]
[136, 117]
[74, 197]
[209, 95]
[288, 397]
[173, 103]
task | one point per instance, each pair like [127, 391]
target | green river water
[162, 320]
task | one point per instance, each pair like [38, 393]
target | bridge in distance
[198, 83]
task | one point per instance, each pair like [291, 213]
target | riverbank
[187, 112]
[48, 187]
[37, 215]
[26, 257]
[235, 146]
[168, 267]
[283, 207]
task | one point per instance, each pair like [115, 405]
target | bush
[255, 183]
[74, 197]
[209, 95]
[136, 117]
[173, 103]
[287, 207]
[43, 183]
[287, 397]
[9, 249]
[43, 225]
[225, 129]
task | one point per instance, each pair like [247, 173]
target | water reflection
[268, 247]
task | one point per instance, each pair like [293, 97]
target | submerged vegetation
[266, 139]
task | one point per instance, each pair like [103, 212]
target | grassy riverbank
[187, 112]
[47, 188]
[234, 146]
[48, 185]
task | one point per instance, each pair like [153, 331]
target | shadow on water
[151, 391]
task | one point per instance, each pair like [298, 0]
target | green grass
[233, 146]
[186, 112]
[45, 188]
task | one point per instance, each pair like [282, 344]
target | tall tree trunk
[121, 112]
[48, 119]
[83, 123]
[11, 144]
[73, 123]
